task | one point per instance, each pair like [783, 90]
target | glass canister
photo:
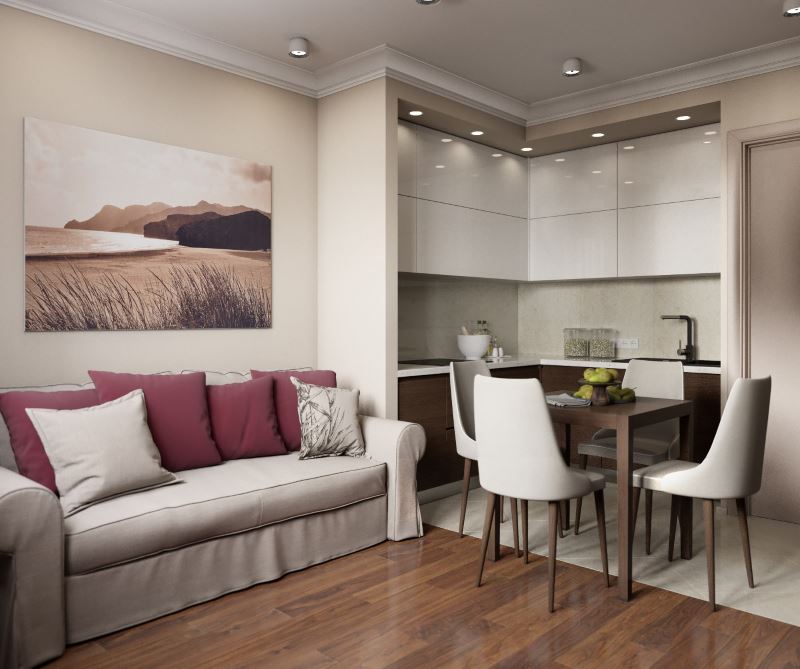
[576, 343]
[601, 343]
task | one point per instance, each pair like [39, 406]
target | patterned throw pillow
[328, 421]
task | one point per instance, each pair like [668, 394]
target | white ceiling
[505, 54]
[515, 47]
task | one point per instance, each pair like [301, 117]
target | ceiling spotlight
[710, 132]
[560, 160]
[526, 148]
[598, 135]
[572, 67]
[791, 7]
[427, 2]
[628, 147]
[497, 155]
[477, 133]
[683, 117]
[298, 47]
[439, 167]
[627, 183]
[447, 140]
[597, 171]
[415, 112]
[706, 141]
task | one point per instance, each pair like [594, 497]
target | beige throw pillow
[100, 452]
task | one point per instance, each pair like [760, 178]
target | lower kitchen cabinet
[426, 400]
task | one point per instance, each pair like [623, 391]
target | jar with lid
[601, 343]
[576, 343]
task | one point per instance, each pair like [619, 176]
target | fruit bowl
[599, 395]
[627, 401]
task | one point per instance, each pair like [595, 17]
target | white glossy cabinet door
[577, 246]
[465, 173]
[574, 182]
[671, 167]
[406, 158]
[457, 241]
[669, 239]
[406, 233]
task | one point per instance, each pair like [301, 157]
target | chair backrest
[657, 378]
[518, 455]
[735, 460]
[462, 390]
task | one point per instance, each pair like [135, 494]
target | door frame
[740, 144]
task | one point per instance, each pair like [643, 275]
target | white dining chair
[462, 383]
[519, 457]
[651, 444]
[731, 469]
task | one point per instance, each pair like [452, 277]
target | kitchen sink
[691, 363]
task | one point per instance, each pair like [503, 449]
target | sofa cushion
[29, 453]
[236, 496]
[286, 399]
[177, 412]
[243, 421]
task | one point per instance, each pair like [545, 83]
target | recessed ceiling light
[439, 167]
[628, 147]
[598, 134]
[627, 183]
[427, 2]
[791, 8]
[597, 171]
[298, 47]
[683, 117]
[710, 132]
[446, 139]
[497, 155]
[415, 112]
[477, 133]
[706, 141]
[572, 67]
[526, 148]
[560, 160]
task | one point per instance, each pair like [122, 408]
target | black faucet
[688, 350]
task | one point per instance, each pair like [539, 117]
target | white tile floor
[775, 548]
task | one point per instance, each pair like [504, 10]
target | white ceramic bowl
[473, 347]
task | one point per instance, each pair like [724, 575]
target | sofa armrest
[32, 626]
[401, 446]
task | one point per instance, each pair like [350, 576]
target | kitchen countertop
[406, 370]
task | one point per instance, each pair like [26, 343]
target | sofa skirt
[127, 594]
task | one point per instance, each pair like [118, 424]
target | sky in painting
[71, 173]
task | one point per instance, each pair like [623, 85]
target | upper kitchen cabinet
[406, 159]
[672, 167]
[456, 171]
[458, 241]
[574, 182]
[406, 233]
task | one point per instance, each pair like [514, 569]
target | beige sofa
[133, 558]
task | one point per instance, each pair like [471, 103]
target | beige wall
[433, 309]
[632, 307]
[57, 72]
[353, 231]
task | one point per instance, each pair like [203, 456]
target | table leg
[624, 507]
[686, 453]
[567, 458]
[494, 536]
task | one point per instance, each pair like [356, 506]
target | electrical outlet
[628, 343]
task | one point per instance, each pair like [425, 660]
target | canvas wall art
[129, 234]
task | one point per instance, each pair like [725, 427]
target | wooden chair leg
[579, 502]
[708, 518]
[741, 508]
[561, 516]
[553, 521]
[491, 509]
[514, 525]
[674, 509]
[637, 492]
[464, 495]
[648, 519]
[525, 549]
[600, 510]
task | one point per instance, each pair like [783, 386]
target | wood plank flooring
[414, 604]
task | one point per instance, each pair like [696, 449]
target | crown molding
[119, 22]
[737, 65]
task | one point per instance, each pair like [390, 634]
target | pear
[614, 373]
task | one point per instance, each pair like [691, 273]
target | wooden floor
[414, 604]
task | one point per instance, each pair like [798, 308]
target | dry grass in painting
[197, 296]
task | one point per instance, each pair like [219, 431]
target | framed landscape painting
[129, 234]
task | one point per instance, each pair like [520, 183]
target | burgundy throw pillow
[243, 421]
[32, 461]
[177, 413]
[286, 399]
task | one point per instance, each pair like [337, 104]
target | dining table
[626, 419]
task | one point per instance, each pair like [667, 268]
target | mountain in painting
[111, 218]
[247, 231]
[168, 227]
[202, 207]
